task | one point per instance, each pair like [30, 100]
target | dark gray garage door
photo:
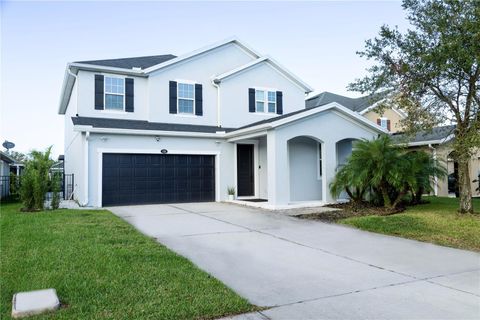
[157, 178]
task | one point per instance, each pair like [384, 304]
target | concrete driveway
[311, 270]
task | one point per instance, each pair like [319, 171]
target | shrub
[35, 180]
[55, 190]
[387, 171]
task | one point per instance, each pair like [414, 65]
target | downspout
[85, 153]
[435, 178]
[216, 84]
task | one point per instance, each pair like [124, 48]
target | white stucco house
[163, 129]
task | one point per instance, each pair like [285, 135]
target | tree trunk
[387, 203]
[466, 204]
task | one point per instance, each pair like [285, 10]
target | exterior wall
[303, 161]
[74, 148]
[200, 70]
[85, 86]
[223, 150]
[324, 127]
[393, 116]
[234, 95]
[151, 95]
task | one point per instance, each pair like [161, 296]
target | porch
[276, 173]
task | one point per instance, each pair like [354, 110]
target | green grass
[436, 222]
[102, 268]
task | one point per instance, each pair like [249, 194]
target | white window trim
[265, 100]
[111, 93]
[319, 161]
[192, 114]
[386, 122]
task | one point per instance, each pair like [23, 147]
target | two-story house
[437, 142]
[168, 128]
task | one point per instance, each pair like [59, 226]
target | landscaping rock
[30, 303]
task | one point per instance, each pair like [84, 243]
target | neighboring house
[5, 162]
[390, 119]
[436, 142]
[162, 129]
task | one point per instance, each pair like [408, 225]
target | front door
[245, 170]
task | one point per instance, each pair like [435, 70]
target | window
[260, 100]
[319, 162]
[114, 93]
[266, 101]
[186, 98]
[383, 123]
[272, 101]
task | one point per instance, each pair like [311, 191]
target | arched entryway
[344, 149]
[306, 169]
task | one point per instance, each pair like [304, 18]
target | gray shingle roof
[437, 133]
[144, 125]
[129, 63]
[354, 104]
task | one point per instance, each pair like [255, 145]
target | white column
[271, 174]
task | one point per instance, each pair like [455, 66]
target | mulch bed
[348, 210]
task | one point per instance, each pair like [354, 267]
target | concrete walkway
[305, 269]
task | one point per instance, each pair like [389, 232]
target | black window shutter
[388, 125]
[251, 100]
[279, 102]
[379, 122]
[129, 95]
[173, 97]
[198, 100]
[98, 92]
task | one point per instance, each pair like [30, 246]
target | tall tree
[432, 71]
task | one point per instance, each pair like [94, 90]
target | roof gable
[192, 54]
[267, 60]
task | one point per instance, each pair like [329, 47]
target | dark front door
[245, 182]
[157, 178]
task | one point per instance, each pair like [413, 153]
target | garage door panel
[157, 178]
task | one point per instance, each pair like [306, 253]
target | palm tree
[425, 168]
[387, 169]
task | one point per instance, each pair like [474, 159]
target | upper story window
[114, 93]
[186, 98]
[265, 101]
[384, 123]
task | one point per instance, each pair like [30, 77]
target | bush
[387, 171]
[55, 190]
[35, 180]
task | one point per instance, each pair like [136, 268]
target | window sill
[265, 113]
[113, 111]
[186, 115]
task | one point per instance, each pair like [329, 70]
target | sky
[317, 41]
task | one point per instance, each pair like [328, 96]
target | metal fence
[10, 186]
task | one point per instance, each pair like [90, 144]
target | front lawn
[102, 268]
[436, 222]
